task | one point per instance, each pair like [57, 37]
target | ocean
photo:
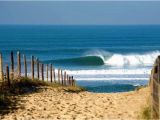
[113, 58]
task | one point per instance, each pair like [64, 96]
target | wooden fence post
[65, 78]
[1, 67]
[72, 81]
[155, 90]
[37, 61]
[32, 67]
[47, 72]
[12, 65]
[42, 70]
[25, 66]
[62, 76]
[59, 76]
[54, 76]
[19, 63]
[158, 80]
[7, 76]
[69, 81]
[51, 72]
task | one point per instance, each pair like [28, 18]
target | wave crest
[146, 59]
[86, 60]
[100, 57]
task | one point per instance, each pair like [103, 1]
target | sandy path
[54, 104]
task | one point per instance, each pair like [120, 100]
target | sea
[102, 58]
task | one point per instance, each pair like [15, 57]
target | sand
[56, 104]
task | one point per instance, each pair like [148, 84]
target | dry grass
[140, 87]
[146, 114]
[8, 101]
[146, 111]
[74, 89]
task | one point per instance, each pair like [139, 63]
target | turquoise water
[92, 54]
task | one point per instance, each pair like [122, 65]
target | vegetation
[25, 86]
[140, 87]
[75, 89]
[146, 111]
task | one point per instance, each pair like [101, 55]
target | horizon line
[80, 24]
[80, 0]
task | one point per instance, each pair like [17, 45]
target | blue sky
[79, 13]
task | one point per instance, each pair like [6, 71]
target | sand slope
[57, 104]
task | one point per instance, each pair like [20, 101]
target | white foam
[134, 59]
[111, 71]
[116, 74]
[96, 79]
[111, 74]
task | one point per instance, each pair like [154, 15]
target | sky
[79, 12]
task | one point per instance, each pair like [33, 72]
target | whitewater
[132, 59]
[117, 66]
[98, 55]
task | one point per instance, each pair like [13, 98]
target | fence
[155, 90]
[37, 71]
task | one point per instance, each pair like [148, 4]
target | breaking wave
[100, 57]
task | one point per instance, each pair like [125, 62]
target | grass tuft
[146, 113]
[25, 86]
[75, 89]
[140, 87]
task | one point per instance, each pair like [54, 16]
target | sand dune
[57, 104]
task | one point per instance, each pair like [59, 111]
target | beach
[84, 60]
[56, 103]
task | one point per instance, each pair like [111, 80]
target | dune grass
[74, 89]
[140, 87]
[146, 111]
[26, 86]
